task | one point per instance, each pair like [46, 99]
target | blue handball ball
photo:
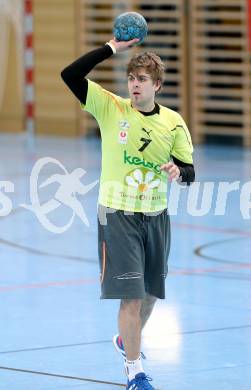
[130, 25]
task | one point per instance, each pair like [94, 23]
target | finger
[134, 40]
[173, 171]
[166, 167]
[169, 169]
[173, 177]
[128, 43]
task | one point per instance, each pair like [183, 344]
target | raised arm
[75, 73]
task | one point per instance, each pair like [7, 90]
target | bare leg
[133, 315]
[130, 326]
[147, 308]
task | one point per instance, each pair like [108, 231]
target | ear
[157, 85]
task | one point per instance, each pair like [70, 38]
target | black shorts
[133, 253]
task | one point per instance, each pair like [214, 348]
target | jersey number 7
[145, 144]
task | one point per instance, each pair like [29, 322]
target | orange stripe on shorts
[103, 262]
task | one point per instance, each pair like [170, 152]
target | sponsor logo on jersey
[134, 160]
[147, 131]
[123, 134]
[124, 124]
[143, 180]
[123, 137]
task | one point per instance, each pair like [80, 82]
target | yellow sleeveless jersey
[134, 146]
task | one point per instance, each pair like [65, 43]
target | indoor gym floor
[55, 332]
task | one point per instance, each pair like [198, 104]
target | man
[143, 143]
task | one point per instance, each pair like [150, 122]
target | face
[142, 90]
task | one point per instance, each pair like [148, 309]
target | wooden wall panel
[220, 69]
[11, 73]
[55, 47]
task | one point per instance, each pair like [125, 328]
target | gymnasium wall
[205, 44]
[55, 46]
[11, 66]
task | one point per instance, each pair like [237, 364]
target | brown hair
[152, 64]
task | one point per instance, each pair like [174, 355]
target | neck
[146, 108]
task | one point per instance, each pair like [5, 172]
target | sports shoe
[140, 382]
[118, 344]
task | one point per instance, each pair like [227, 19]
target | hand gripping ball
[130, 25]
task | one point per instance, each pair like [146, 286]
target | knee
[149, 301]
[131, 306]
